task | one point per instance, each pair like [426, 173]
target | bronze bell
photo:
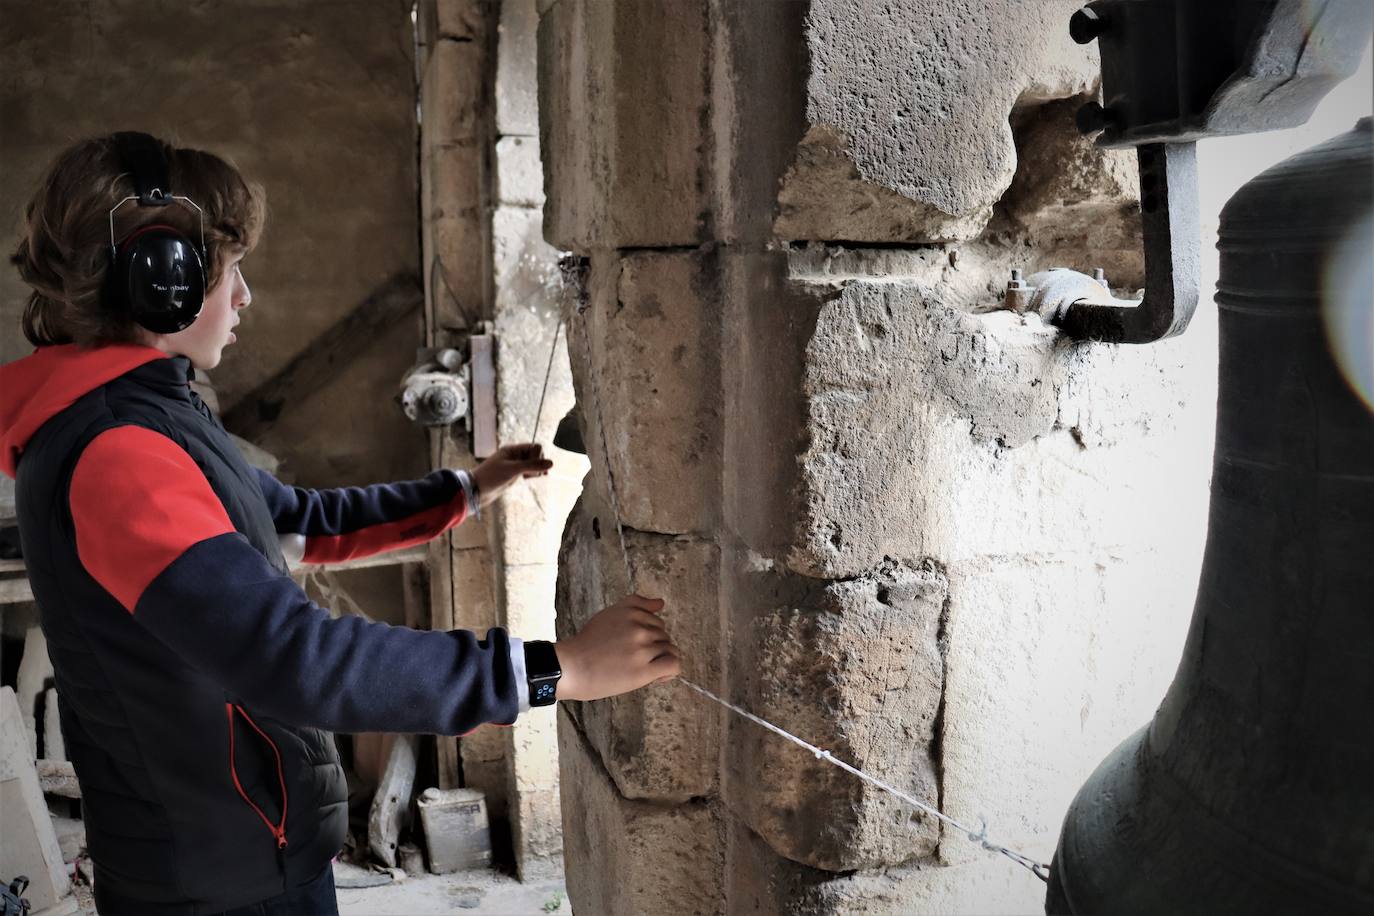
[1252, 790]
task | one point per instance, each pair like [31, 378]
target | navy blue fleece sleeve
[225, 608]
[330, 526]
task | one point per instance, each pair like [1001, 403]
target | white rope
[979, 836]
[548, 371]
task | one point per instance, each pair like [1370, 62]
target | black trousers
[314, 898]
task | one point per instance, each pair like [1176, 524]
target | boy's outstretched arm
[153, 533]
[348, 523]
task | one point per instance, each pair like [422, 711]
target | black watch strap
[542, 672]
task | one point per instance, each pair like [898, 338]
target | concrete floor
[482, 893]
[486, 893]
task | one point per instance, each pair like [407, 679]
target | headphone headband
[156, 274]
[142, 155]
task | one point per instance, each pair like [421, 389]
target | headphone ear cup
[160, 277]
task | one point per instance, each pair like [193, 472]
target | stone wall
[936, 538]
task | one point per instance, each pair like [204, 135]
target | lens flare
[1348, 308]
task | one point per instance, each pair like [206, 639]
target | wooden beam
[320, 362]
[483, 395]
[391, 803]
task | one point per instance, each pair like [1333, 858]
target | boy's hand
[622, 648]
[509, 464]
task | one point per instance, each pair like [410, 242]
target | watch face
[541, 660]
[543, 691]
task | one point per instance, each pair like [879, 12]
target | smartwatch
[542, 672]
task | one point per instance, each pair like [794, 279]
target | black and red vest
[195, 679]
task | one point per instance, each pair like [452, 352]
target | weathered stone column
[482, 201]
[936, 538]
[529, 521]
[454, 194]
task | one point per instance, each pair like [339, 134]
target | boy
[196, 678]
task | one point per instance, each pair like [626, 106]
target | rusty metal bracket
[1172, 237]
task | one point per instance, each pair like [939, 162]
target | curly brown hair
[64, 251]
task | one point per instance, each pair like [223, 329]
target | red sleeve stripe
[416, 529]
[138, 502]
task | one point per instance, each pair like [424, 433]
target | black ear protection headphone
[156, 276]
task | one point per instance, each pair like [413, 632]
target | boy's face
[204, 341]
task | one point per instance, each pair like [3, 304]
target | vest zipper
[279, 829]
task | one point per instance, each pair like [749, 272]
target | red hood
[38, 387]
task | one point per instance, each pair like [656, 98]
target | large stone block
[622, 107]
[517, 102]
[758, 108]
[890, 366]
[907, 110]
[452, 175]
[653, 331]
[855, 668]
[627, 857]
[984, 433]
[35, 671]
[28, 844]
[532, 517]
[519, 173]
[824, 196]
[452, 96]
[659, 742]
[762, 883]
[529, 385]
